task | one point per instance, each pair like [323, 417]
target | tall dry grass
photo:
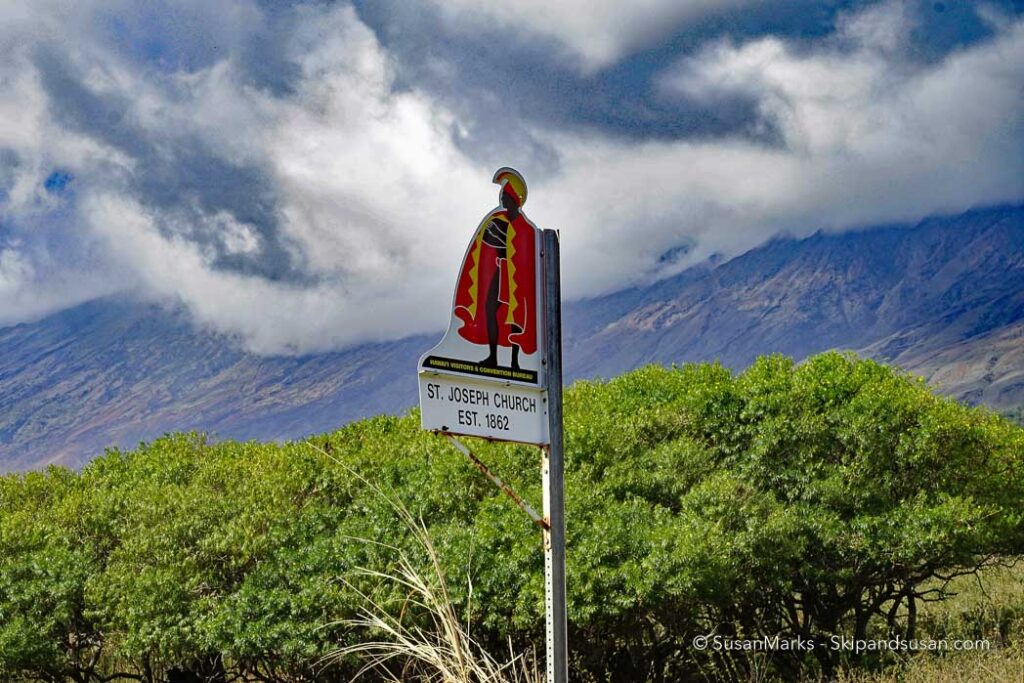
[401, 650]
[444, 651]
[988, 606]
[993, 666]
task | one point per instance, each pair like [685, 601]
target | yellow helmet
[511, 181]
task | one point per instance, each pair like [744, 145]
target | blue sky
[305, 176]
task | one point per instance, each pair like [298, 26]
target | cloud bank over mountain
[305, 177]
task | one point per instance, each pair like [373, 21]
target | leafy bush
[1016, 415]
[810, 500]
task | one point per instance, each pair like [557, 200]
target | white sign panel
[506, 412]
[485, 378]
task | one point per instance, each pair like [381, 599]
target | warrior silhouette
[496, 293]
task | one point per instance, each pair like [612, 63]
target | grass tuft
[421, 637]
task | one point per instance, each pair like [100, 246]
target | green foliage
[1016, 415]
[803, 499]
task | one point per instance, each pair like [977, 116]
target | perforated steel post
[552, 466]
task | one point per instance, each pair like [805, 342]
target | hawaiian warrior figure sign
[494, 330]
[497, 373]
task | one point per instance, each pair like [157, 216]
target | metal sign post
[553, 466]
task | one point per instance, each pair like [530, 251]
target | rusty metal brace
[516, 498]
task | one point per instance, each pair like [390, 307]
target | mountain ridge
[804, 296]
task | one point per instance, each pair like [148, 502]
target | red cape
[517, 290]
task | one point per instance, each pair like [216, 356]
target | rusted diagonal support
[523, 505]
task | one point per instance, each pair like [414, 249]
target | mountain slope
[112, 372]
[942, 281]
[944, 298]
[987, 368]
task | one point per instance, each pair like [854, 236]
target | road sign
[508, 412]
[486, 376]
[507, 305]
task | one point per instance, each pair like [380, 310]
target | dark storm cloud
[176, 172]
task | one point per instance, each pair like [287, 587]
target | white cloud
[237, 238]
[865, 139]
[267, 317]
[883, 27]
[371, 176]
[33, 285]
[33, 280]
[373, 197]
[14, 270]
[596, 33]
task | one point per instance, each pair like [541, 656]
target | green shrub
[809, 500]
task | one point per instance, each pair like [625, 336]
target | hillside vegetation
[833, 497]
